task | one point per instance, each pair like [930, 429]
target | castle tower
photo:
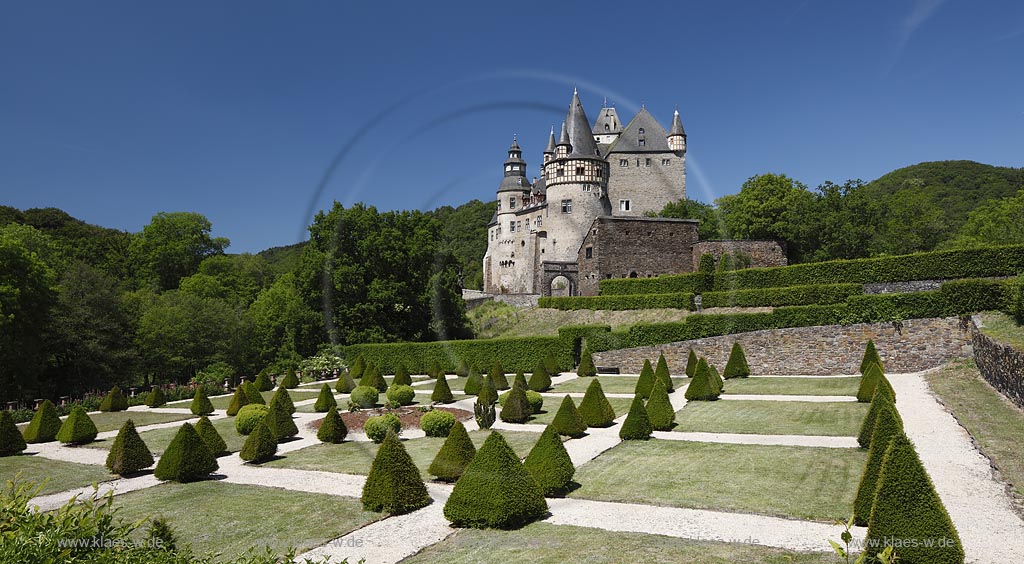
[676, 134]
[502, 268]
[608, 126]
[647, 172]
[549, 151]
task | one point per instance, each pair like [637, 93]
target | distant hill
[283, 259]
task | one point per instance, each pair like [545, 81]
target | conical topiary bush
[436, 370]
[473, 382]
[567, 419]
[702, 387]
[661, 373]
[239, 400]
[887, 425]
[11, 441]
[495, 491]
[129, 454]
[201, 404]
[516, 408]
[290, 380]
[394, 484]
[455, 455]
[44, 425]
[373, 377]
[263, 383]
[521, 380]
[551, 365]
[488, 393]
[156, 397]
[462, 370]
[402, 377]
[497, 376]
[691, 364]
[549, 463]
[442, 391]
[345, 383]
[880, 398]
[211, 437]
[325, 400]
[357, 368]
[870, 356]
[186, 459]
[586, 367]
[737, 366]
[637, 425]
[252, 393]
[114, 401]
[282, 397]
[595, 409]
[645, 382]
[659, 409]
[716, 377]
[260, 445]
[908, 509]
[540, 381]
[484, 413]
[78, 428]
[868, 382]
[280, 422]
[332, 429]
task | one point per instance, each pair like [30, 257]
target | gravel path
[57, 451]
[118, 486]
[991, 532]
[752, 439]
[780, 397]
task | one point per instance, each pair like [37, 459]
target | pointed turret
[564, 146]
[515, 170]
[549, 150]
[578, 129]
[676, 134]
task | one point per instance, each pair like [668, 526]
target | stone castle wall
[909, 346]
[1001, 365]
[762, 253]
[648, 188]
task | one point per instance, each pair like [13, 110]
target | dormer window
[641, 131]
[641, 142]
[508, 168]
[512, 202]
[606, 128]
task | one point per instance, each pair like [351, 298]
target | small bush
[201, 404]
[540, 381]
[737, 366]
[211, 437]
[462, 370]
[78, 428]
[637, 425]
[394, 484]
[290, 380]
[252, 392]
[239, 400]
[551, 365]
[659, 409]
[533, 398]
[260, 445]
[402, 395]
[691, 364]
[325, 400]
[887, 425]
[186, 459]
[377, 427]
[484, 413]
[249, 416]
[282, 397]
[870, 356]
[114, 401]
[455, 455]
[373, 378]
[129, 454]
[595, 409]
[703, 387]
[495, 491]
[365, 396]
[44, 425]
[645, 382]
[473, 382]
[263, 383]
[437, 423]
[345, 383]
[716, 378]
[402, 377]
[907, 508]
[567, 419]
[156, 397]
[356, 372]
[868, 382]
[11, 441]
[498, 378]
[586, 367]
[516, 408]
[549, 463]
[332, 429]
[488, 393]
[882, 396]
[442, 392]
[279, 421]
[662, 374]
[436, 370]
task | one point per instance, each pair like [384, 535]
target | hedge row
[788, 296]
[937, 265]
[514, 354]
[682, 300]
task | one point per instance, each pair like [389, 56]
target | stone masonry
[1001, 365]
[908, 346]
[762, 253]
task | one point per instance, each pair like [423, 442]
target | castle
[585, 218]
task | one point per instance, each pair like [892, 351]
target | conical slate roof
[578, 128]
[563, 137]
[642, 127]
[551, 142]
[677, 126]
[607, 122]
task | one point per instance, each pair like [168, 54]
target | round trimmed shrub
[186, 459]
[249, 416]
[44, 426]
[78, 428]
[394, 484]
[437, 423]
[365, 396]
[11, 441]
[455, 455]
[533, 398]
[325, 400]
[128, 454]
[260, 446]
[377, 427]
[402, 395]
[332, 429]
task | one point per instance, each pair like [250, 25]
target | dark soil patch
[409, 416]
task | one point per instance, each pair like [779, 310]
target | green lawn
[620, 405]
[112, 421]
[223, 401]
[58, 474]
[543, 543]
[994, 422]
[793, 386]
[356, 457]
[1003, 328]
[800, 482]
[229, 518]
[609, 384]
[772, 417]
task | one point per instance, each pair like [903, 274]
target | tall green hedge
[679, 300]
[811, 294]
[514, 353]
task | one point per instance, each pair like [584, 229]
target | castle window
[642, 142]
[566, 206]
[641, 131]
[606, 128]
[499, 203]
[647, 162]
[515, 167]
[638, 162]
[512, 203]
[519, 226]
[624, 205]
[508, 168]
[599, 173]
[589, 252]
[560, 171]
[527, 224]
[579, 171]
[623, 162]
[539, 221]
[665, 162]
[511, 227]
[586, 187]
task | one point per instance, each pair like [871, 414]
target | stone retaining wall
[474, 298]
[1001, 365]
[908, 346]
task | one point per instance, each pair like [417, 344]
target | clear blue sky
[115, 111]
